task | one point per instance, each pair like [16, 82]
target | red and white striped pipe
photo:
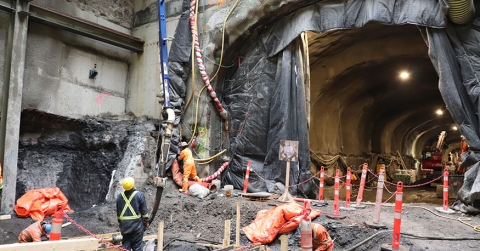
[201, 65]
[214, 175]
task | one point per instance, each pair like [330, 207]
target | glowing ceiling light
[455, 128]
[439, 112]
[404, 75]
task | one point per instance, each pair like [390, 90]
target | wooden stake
[226, 236]
[160, 236]
[286, 197]
[237, 230]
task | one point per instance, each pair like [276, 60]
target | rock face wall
[85, 158]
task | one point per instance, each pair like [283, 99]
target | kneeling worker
[132, 215]
[189, 169]
[35, 232]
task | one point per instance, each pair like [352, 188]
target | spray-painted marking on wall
[99, 99]
[202, 138]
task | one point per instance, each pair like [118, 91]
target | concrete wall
[4, 23]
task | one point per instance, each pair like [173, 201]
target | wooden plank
[5, 217]
[226, 235]
[78, 244]
[160, 236]
[237, 228]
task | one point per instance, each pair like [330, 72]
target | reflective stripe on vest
[129, 206]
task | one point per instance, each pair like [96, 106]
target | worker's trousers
[189, 171]
[133, 241]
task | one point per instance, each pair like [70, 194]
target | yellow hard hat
[128, 183]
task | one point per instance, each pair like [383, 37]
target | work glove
[146, 224]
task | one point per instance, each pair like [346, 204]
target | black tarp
[265, 96]
[455, 53]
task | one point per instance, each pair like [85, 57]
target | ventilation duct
[461, 11]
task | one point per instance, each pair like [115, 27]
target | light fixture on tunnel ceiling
[454, 128]
[439, 112]
[404, 75]
[93, 72]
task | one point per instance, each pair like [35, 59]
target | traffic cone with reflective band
[56, 232]
[397, 222]
[362, 186]
[306, 228]
[378, 202]
[322, 182]
[247, 174]
[336, 197]
[348, 190]
[445, 208]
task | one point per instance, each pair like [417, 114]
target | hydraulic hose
[201, 66]
[461, 11]
[218, 172]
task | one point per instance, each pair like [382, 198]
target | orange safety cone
[247, 174]
[378, 202]
[57, 222]
[397, 222]
[445, 208]
[362, 186]
[348, 191]
[336, 198]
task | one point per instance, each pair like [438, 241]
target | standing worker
[189, 169]
[132, 215]
[35, 232]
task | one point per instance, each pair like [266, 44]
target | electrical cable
[367, 239]
[212, 157]
[440, 238]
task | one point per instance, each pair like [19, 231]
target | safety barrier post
[397, 222]
[378, 202]
[348, 186]
[362, 186]
[445, 208]
[321, 199]
[336, 197]
[56, 231]
[247, 174]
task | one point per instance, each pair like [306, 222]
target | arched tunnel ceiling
[358, 102]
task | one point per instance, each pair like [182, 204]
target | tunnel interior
[360, 104]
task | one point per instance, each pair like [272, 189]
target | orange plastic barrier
[271, 222]
[41, 203]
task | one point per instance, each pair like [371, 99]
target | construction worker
[189, 169]
[35, 232]
[132, 215]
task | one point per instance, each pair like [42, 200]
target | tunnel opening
[362, 110]
[77, 155]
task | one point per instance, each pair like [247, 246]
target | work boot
[184, 187]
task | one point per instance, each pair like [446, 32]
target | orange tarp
[271, 222]
[41, 203]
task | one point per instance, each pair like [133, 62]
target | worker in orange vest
[189, 169]
[35, 232]
[321, 238]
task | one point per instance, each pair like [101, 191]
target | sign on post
[288, 152]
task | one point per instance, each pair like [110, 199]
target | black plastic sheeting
[455, 53]
[265, 97]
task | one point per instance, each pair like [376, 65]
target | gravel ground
[189, 220]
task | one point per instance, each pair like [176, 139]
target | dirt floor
[189, 220]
